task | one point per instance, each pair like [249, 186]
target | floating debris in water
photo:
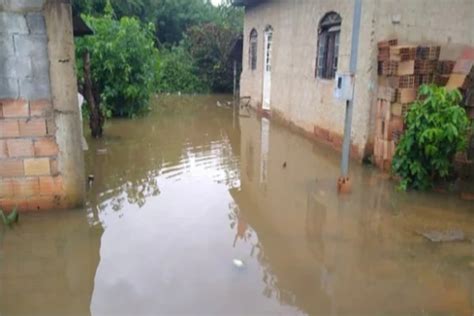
[238, 263]
[90, 180]
[449, 235]
[467, 196]
[102, 151]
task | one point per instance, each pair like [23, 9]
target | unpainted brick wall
[29, 176]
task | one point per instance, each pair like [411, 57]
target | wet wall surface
[195, 211]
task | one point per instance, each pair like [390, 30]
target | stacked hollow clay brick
[462, 78]
[28, 155]
[402, 69]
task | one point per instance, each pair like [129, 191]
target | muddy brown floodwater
[192, 212]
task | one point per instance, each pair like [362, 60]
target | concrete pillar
[58, 18]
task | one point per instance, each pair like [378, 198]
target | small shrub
[436, 128]
[176, 72]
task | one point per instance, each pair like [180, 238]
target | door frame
[267, 68]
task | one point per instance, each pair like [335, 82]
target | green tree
[211, 45]
[195, 39]
[436, 129]
[123, 63]
[172, 18]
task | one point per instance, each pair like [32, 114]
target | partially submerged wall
[41, 160]
[299, 97]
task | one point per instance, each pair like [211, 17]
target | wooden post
[235, 79]
[96, 118]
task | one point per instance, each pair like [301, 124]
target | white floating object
[238, 263]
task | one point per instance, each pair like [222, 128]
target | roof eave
[80, 27]
[245, 3]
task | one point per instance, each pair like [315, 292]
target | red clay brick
[51, 185]
[355, 153]
[32, 127]
[37, 167]
[26, 187]
[42, 203]
[9, 128]
[321, 133]
[46, 147]
[54, 167]
[463, 66]
[11, 168]
[15, 108]
[40, 108]
[9, 204]
[468, 53]
[20, 148]
[50, 127]
[3, 149]
[6, 188]
[335, 139]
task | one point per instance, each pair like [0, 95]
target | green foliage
[11, 218]
[436, 129]
[194, 37]
[171, 17]
[121, 7]
[176, 72]
[210, 45]
[123, 63]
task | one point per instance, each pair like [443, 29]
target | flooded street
[194, 211]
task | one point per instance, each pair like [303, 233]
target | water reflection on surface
[182, 194]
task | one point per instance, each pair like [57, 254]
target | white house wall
[300, 98]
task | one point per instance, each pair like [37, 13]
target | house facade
[294, 48]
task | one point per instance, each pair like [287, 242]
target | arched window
[253, 49]
[328, 45]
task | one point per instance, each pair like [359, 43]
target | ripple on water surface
[192, 212]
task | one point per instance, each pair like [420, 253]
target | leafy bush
[177, 73]
[123, 63]
[211, 45]
[436, 129]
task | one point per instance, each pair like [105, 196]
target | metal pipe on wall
[346, 145]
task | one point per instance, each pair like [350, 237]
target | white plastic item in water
[238, 263]
[80, 101]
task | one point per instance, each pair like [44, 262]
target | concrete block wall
[30, 156]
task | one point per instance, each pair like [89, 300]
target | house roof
[80, 27]
[239, 3]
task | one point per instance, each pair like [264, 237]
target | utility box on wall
[344, 86]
